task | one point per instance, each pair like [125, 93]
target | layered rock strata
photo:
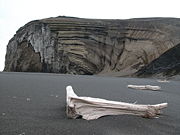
[90, 46]
[167, 65]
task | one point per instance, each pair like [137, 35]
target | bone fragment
[93, 108]
[163, 81]
[144, 87]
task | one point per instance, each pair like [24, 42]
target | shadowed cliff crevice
[26, 59]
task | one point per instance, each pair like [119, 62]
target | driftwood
[93, 108]
[144, 87]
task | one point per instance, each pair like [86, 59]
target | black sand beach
[34, 104]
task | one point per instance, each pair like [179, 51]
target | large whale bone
[93, 108]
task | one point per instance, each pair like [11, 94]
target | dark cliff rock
[167, 65]
[87, 46]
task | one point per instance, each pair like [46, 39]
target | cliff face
[168, 64]
[87, 46]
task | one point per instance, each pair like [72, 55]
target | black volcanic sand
[34, 104]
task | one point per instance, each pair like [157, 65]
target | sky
[16, 13]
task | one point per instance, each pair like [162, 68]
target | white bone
[163, 81]
[93, 108]
[144, 87]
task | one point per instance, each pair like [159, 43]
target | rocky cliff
[168, 64]
[90, 46]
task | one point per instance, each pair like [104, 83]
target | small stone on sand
[28, 99]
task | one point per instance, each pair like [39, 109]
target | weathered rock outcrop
[87, 46]
[168, 64]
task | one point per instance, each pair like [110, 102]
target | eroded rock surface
[167, 65]
[87, 46]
